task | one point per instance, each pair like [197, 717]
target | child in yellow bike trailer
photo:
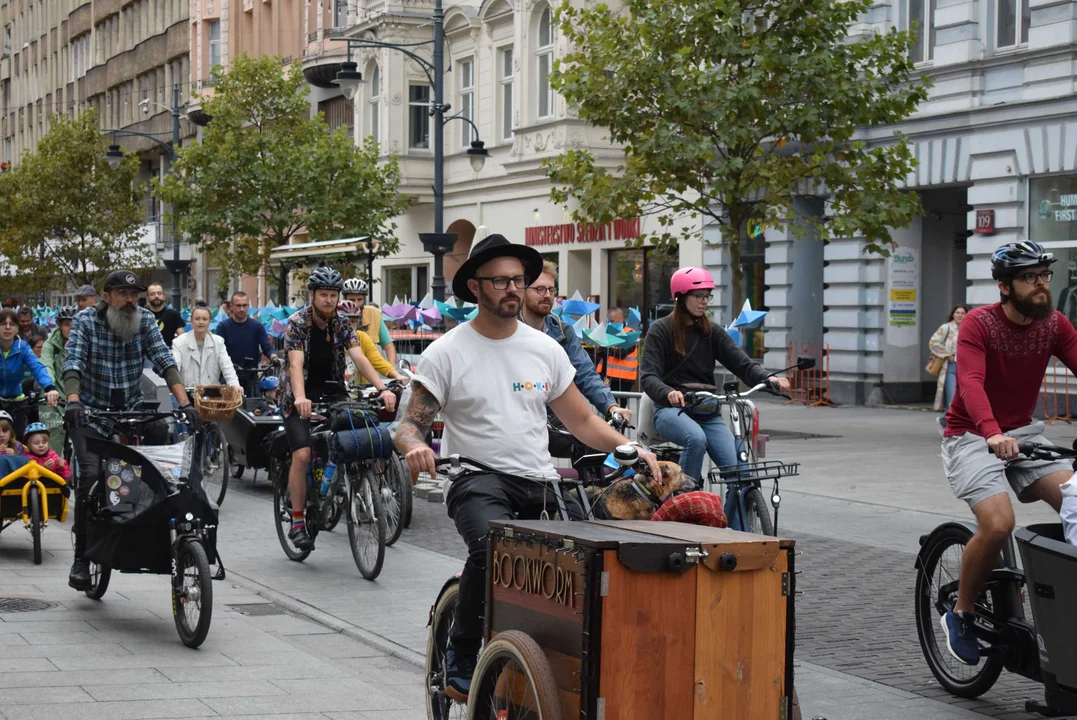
[38, 449]
[9, 445]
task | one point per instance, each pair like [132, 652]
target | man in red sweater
[1003, 351]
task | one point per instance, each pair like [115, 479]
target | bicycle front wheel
[440, 706]
[405, 481]
[366, 523]
[513, 679]
[36, 523]
[937, 577]
[392, 500]
[758, 513]
[192, 604]
[215, 466]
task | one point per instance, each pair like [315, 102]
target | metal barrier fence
[810, 387]
[1056, 393]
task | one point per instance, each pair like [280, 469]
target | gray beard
[123, 325]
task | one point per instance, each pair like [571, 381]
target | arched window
[544, 53]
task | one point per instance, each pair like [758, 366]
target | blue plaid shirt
[103, 361]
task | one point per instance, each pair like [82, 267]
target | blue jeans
[950, 384]
[711, 436]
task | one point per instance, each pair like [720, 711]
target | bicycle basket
[217, 402]
[754, 472]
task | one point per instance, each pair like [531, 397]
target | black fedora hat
[482, 252]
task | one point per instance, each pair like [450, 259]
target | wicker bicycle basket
[217, 402]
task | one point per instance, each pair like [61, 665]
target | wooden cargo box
[650, 620]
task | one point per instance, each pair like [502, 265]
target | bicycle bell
[626, 455]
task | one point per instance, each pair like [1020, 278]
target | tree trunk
[282, 288]
[733, 242]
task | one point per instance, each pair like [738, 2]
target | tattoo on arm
[418, 419]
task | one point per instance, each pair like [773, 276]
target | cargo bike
[147, 512]
[31, 494]
[1041, 647]
[634, 620]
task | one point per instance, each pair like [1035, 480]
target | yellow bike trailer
[33, 494]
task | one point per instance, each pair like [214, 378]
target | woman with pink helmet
[680, 355]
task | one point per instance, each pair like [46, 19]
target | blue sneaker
[459, 667]
[960, 638]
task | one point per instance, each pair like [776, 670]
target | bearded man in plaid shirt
[107, 350]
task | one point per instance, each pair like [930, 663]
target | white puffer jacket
[203, 368]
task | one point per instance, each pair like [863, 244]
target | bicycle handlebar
[1042, 451]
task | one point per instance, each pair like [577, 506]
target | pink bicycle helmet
[688, 279]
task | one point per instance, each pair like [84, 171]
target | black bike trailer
[1051, 575]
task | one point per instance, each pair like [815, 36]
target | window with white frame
[419, 117]
[505, 79]
[375, 104]
[214, 43]
[1012, 22]
[467, 100]
[544, 53]
[921, 20]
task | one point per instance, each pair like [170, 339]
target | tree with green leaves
[729, 110]
[66, 216]
[265, 172]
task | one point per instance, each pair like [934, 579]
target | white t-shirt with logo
[493, 395]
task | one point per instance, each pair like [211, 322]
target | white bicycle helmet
[355, 286]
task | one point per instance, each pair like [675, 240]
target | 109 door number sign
[985, 222]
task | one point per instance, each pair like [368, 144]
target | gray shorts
[975, 474]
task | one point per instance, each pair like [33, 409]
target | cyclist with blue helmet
[36, 447]
[1003, 350]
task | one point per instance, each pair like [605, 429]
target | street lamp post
[439, 242]
[115, 156]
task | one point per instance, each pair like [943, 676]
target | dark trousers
[473, 502]
[89, 470]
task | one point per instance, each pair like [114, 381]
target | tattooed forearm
[417, 420]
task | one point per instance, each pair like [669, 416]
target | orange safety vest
[625, 368]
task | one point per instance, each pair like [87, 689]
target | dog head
[637, 497]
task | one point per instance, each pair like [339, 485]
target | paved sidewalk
[121, 658]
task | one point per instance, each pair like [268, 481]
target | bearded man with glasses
[1003, 351]
[538, 304]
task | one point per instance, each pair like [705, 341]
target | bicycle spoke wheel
[936, 584]
[440, 706]
[192, 605]
[215, 466]
[340, 501]
[99, 578]
[282, 512]
[758, 512]
[366, 524]
[513, 681]
[389, 489]
[407, 491]
[36, 523]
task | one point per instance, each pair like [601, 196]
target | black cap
[123, 279]
[490, 247]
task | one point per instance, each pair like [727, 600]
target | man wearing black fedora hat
[491, 379]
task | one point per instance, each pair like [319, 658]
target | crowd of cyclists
[499, 380]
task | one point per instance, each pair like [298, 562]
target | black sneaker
[79, 578]
[459, 667]
[299, 537]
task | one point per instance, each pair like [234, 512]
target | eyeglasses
[8, 324]
[543, 290]
[705, 297]
[1030, 278]
[502, 283]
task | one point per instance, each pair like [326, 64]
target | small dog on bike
[639, 496]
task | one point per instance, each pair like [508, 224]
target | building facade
[499, 56]
[997, 150]
[123, 58]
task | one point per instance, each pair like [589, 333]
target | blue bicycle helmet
[269, 383]
[1007, 260]
[37, 427]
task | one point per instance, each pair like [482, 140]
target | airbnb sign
[582, 232]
